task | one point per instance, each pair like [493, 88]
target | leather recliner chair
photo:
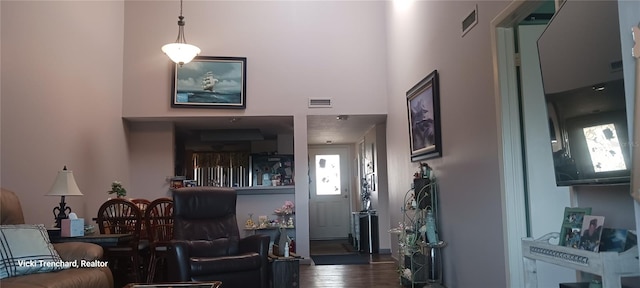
[207, 244]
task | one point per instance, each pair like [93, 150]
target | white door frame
[505, 84]
[346, 172]
[509, 141]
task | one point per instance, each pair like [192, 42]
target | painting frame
[210, 82]
[571, 224]
[423, 109]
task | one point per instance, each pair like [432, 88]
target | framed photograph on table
[423, 105]
[572, 226]
[591, 233]
[210, 82]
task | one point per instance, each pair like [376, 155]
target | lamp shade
[181, 53]
[65, 185]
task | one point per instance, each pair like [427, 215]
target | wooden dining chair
[159, 220]
[121, 216]
[142, 205]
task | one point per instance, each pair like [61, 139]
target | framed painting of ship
[423, 105]
[210, 82]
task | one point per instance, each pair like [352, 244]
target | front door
[329, 193]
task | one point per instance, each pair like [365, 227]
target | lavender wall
[151, 146]
[423, 38]
[295, 50]
[62, 102]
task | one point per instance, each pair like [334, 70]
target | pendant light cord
[181, 38]
[180, 52]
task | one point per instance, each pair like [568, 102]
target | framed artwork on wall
[370, 153]
[210, 82]
[362, 159]
[423, 105]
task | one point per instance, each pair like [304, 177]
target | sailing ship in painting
[212, 91]
[208, 81]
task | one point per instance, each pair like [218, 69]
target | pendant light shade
[180, 52]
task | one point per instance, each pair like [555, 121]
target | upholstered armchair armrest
[178, 261]
[258, 243]
[71, 251]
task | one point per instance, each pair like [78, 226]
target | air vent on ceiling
[319, 103]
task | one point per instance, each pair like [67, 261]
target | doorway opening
[334, 161]
[329, 192]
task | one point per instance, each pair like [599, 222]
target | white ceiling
[320, 128]
[323, 128]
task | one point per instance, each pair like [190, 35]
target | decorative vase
[432, 236]
[282, 220]
[281, 240]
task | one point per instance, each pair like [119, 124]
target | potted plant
[116, 188]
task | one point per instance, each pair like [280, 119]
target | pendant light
[181, 52]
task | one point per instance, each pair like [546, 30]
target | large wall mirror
[581, 63]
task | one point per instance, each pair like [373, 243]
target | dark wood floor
[353, 276]
[380, 272]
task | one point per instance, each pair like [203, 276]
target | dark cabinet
[369, 239]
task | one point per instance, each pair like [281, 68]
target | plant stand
[420, 262]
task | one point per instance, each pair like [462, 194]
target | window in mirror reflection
[328, 175]
[604, 148]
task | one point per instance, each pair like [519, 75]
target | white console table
[610, 265]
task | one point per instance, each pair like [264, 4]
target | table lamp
[65, 185]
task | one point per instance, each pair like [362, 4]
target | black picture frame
[210, 82]
[423, 108]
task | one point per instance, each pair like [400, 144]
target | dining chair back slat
[142, 205]
[159, 221]
[121, 216]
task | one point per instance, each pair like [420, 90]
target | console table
[104, 240]
[365, 231]
[610, 265]
[271, 231]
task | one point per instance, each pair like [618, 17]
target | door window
[328, 175]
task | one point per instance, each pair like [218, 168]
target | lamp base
[61, 213]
